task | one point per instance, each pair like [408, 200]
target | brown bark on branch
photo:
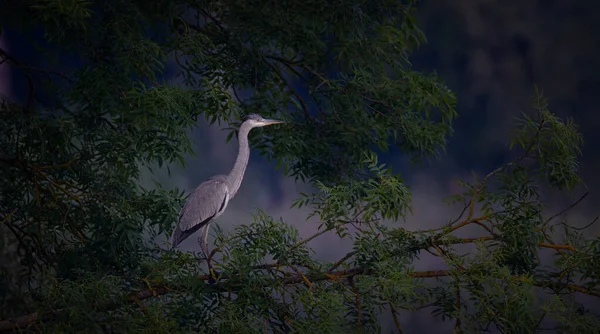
[331, 275]
[224, 286]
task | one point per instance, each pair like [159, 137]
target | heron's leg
[204, 247]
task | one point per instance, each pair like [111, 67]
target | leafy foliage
[83, 231]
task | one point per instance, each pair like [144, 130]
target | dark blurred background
[491, 53]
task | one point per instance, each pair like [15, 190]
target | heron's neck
[234, 179]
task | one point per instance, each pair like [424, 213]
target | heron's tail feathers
[176, 237]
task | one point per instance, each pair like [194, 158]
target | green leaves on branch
[363, 111]
[338, 75]
[379, 196]
[263, 240]
[554, 144]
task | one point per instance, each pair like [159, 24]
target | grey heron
[209, 200]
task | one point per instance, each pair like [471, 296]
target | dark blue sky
[492, 53]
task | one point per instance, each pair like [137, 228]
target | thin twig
[357, 301]
[304, 278]
[291, 88]
[457, 324]
[340, 261]
[395, 317]
[574, 204]
[8, 216]
[582, 228]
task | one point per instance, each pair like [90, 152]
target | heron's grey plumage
[210, 198]
[205, 203]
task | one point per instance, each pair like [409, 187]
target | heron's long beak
[271, 122]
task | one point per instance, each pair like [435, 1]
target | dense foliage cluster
[116, 87]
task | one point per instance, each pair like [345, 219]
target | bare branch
[574, 204]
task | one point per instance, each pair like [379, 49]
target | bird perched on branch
[209, 200]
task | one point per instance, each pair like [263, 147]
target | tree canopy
[116, 86]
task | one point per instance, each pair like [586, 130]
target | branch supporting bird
[209, 200]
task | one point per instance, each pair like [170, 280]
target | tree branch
[224, 286]
[574, 204]
[395, 317]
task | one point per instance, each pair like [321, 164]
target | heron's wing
[203, 204]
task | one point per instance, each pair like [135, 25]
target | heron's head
[256, 120]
